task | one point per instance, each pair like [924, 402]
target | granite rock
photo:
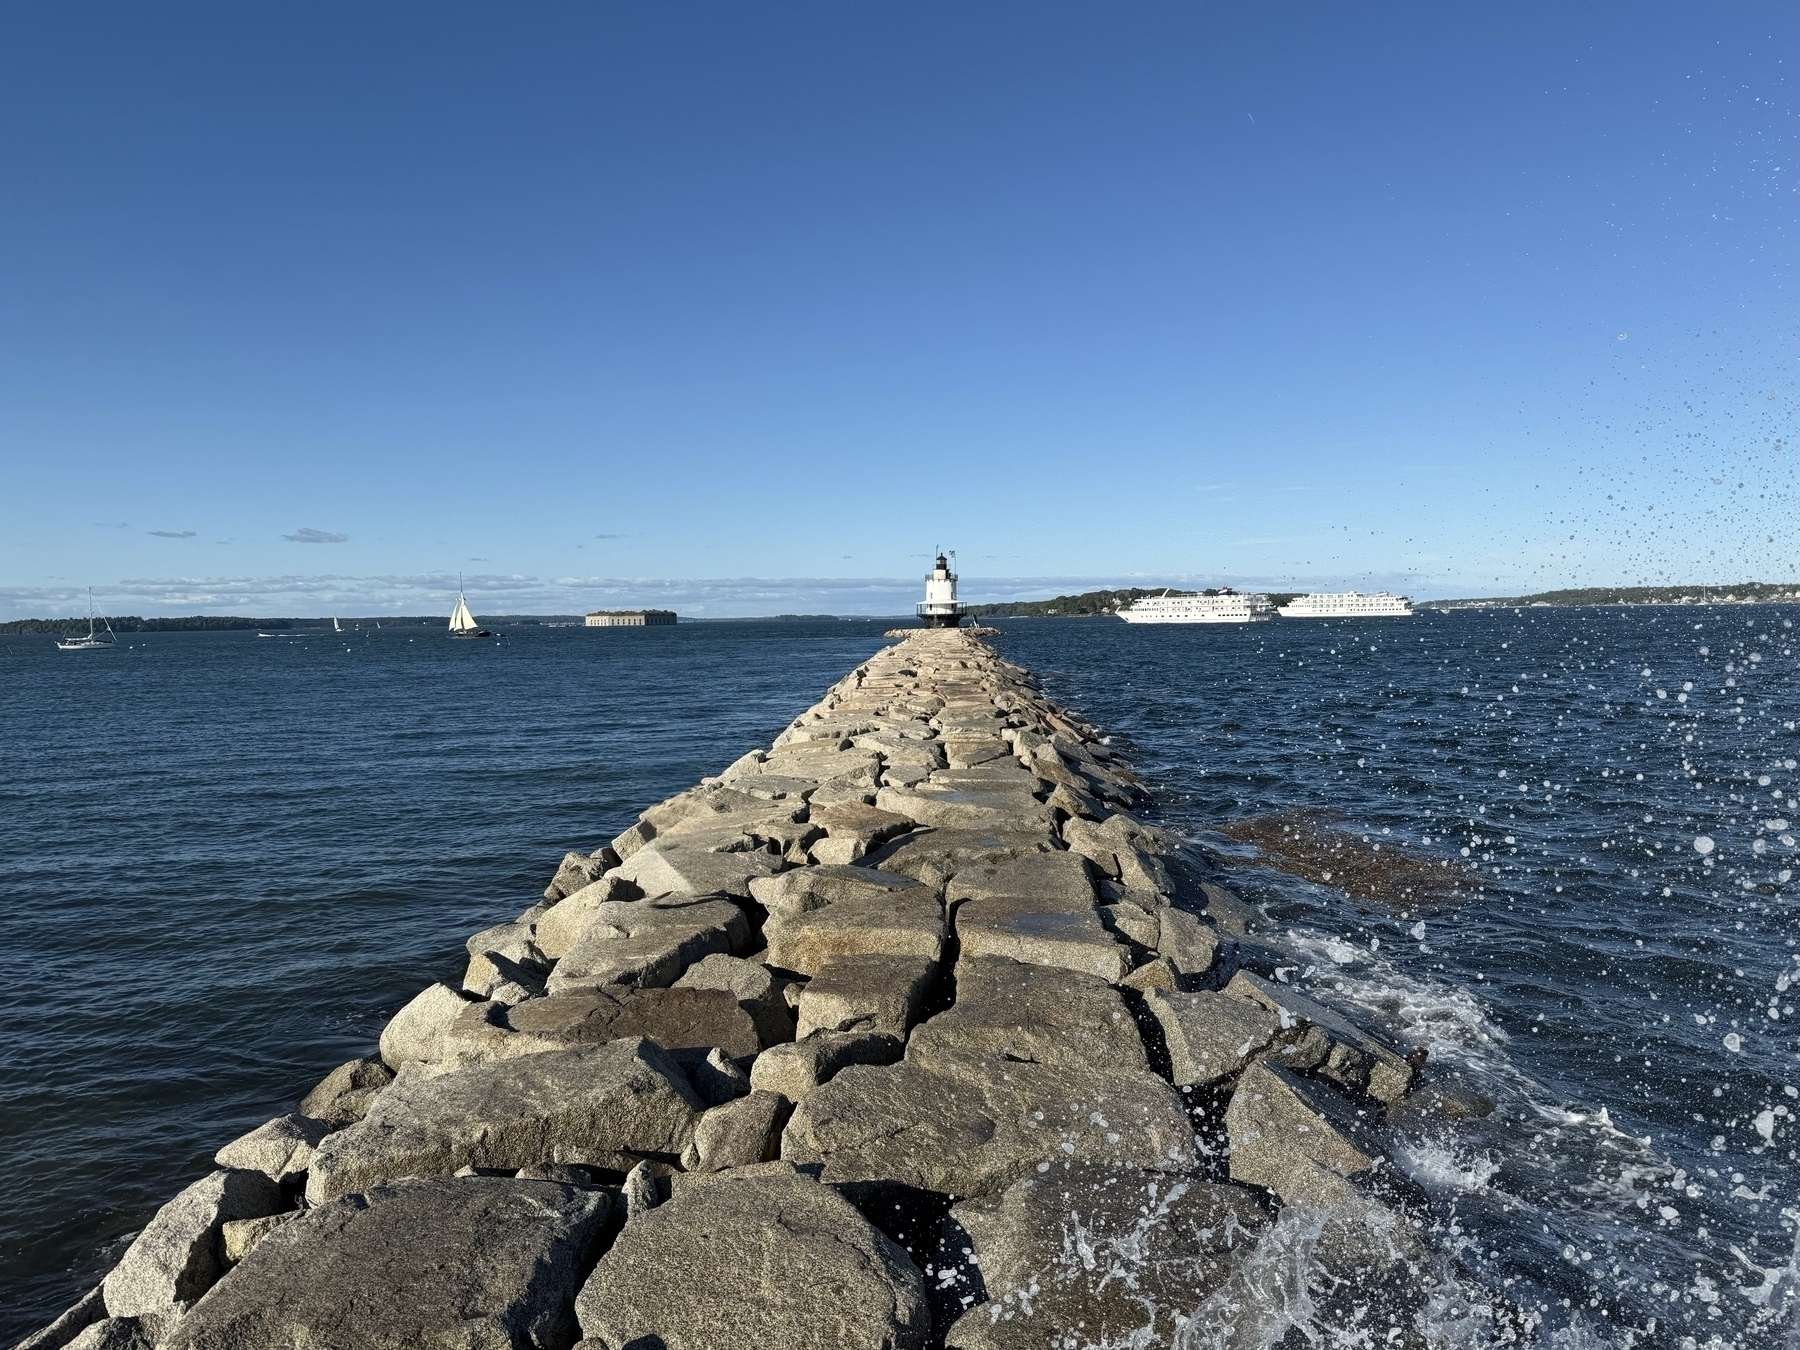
[783, 1262]
[344, 1094]
[877, 992]
[1210, 1036]
[592, 1104]
[176, 1258]
[417, 1031]
[649, 942]
[281, 1149]
[1125, 1256]
[475, 1262]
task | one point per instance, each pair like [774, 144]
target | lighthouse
[939, 608]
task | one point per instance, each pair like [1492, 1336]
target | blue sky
[313, 309]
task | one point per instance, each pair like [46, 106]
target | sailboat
[93, 642]
[336, 627]
[462, 623]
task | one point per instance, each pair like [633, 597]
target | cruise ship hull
[1324, 612]
[1129, 617]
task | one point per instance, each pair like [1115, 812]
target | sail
[461, 621]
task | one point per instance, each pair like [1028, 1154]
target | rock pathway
[901, 1033]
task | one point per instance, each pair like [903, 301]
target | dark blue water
[228, 860]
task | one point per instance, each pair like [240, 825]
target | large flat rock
[1124, 1256]
[910, 923]
[691, 865]
[475, 1262]
[970, 807]
[1053, 881]
[1028, 931]
[1007, 1012]
[809, 888]
[649, 942]
[593, 1104]
[866, 993]
[960, 1135]
[1032, 1065]
[678, 1020]
[935, 856]
[765, 1262]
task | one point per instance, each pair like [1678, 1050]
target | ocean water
[228, 860]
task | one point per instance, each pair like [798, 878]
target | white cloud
[173, 534]
[307, 535]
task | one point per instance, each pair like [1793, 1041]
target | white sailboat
[462, 623]
[336, 627]
[93, 642]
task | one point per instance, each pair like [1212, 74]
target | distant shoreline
[1089, 605]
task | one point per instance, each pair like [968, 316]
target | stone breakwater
[903, 1032]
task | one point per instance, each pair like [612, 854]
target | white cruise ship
[1348, 605]
[1225, 607]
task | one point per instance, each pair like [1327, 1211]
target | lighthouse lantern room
[939, 608]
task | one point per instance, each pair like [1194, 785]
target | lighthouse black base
[941, 620]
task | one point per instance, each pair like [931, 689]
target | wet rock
[1210, 1037]
[176, 1258]
[1356, 1059]
[238, 1238]
[1229, 913]
[755, 1254]
[1278, 1121]
[1446, 1096]
[466, 1262]
[1124, 1256]
[738, 1133]
[417, 1031]
[89, 1309]
[344, 1094]
[797, 1068]
[649, 942]
[281, 1149]
[1189, 945]
[866, 993]
[592, 1104]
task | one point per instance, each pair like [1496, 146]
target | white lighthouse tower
[939, 608]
